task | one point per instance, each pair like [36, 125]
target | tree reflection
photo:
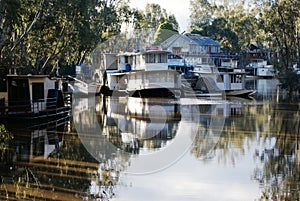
[5, 138]
[69, 172]
[279, 174]
[276, 128]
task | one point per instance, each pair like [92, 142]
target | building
[194, 48]
[256, 51]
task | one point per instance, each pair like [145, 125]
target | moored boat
[228, 80]
[141, 74]
[32, 97]
[260, 69]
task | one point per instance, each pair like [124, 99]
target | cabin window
[233, 79]
[37, 92]
[138, 61]
[150, 58]
[162, 58]
[134, 60]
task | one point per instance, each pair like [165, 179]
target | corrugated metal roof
[202, 40]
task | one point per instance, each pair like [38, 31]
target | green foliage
[215, 30]
[280, 21]
[230, 23]
[202, 12]
[290, 81]
[273, 24]
[153, 16]
[164, 31]
[35, 34]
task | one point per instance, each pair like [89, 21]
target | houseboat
[32, 97]
[260, 68]
[228, 80]
[141, 74]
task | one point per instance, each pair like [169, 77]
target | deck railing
[27, 106]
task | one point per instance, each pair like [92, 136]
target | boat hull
[38, 117]
[242, 92]
[156, 92]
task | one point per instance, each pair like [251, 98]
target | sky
[180, 8]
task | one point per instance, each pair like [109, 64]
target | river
[133, 149]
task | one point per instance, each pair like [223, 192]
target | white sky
[180, 8]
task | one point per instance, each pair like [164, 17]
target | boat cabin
[260, 68]
[135, 61]
[224, 78]
[30, 93]
[229, 62]
[257, 63]
[148, 60]
[139, 71]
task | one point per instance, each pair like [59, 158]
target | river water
[125, 148]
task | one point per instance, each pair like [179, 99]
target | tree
[164, 31]
[202, 12]
[280, 21]
[216, 30]
[229, 22]
[153, 16]
[38, 34]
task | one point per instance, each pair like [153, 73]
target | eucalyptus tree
[39, 34]
[281, 23]
[217, 31]
[10, 17]
[202, 12]
[153, 15]
[230, 22]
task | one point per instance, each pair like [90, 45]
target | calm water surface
[120, 148]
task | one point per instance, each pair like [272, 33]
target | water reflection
[142, 123]
[243, 149]
[279, 171]
[266, 89]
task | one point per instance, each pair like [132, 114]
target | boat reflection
[147, 125]
[143, 123]
[266, 89]
[256, 140]
[35, 142]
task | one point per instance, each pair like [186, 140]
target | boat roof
[221, 73]
[30, 76]
[27, 76]
[144, 52]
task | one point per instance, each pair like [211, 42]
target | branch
[36, 18]
[54, 50]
